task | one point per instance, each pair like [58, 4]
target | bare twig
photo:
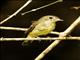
[13, 28]
[56, 42]
[42, 7]
[75, 7]
[14, 14]
[54, 38]
[23, 29]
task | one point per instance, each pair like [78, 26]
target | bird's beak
[60, 20]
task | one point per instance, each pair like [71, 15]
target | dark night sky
[66, 50]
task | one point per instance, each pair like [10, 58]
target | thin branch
[42, 7]
[54, 38]
[75, 7]
[14, 14]
[56, 42]
[23, 29]
[13, 28]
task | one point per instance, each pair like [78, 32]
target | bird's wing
[31, 28]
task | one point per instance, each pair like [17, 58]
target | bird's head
[52, 18]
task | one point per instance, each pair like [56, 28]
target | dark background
[13, 50]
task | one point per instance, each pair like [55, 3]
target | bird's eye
[50, 17]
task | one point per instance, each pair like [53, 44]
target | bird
[42, 26]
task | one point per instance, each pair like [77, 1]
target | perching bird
[42, 27]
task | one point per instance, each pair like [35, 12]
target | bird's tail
[26, 42]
